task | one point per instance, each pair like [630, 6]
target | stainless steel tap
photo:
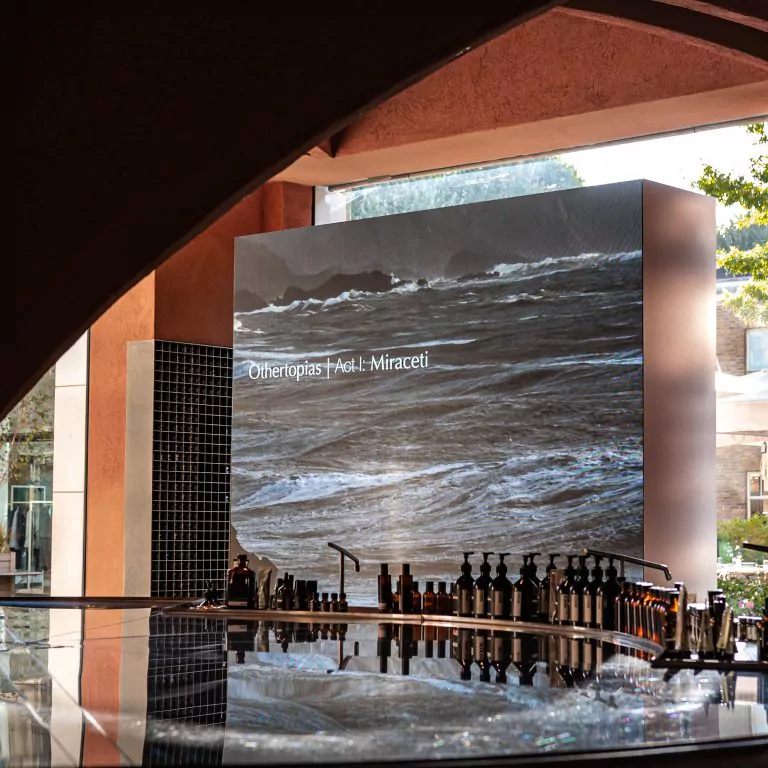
[342, 554]
[629, 559]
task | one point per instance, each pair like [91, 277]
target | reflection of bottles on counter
[464, 585]
[481, 654]
[385, 589]
[241, 585]
[384, 647]
[241, 638]
[605, 599]
[429, 637]
[524, 656]
[545, 614]
[590, 596]
[501, 591]
[564, 593]
[429, 599]
[482, 589]
[501, 654]
[461, 651]
[444, 607]
[406, 648]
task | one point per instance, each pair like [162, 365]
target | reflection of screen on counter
[461, 379]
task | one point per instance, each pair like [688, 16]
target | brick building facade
[733, 461]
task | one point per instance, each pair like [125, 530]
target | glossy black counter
[123, 683]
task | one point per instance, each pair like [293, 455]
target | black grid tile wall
[186, 687]
[191, 468]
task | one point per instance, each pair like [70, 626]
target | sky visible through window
[673, 160]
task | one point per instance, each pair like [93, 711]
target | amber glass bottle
[429, 598]
[444, 607]
[415, 598]
[241, 585]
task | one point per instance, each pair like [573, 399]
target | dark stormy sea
[524, 433]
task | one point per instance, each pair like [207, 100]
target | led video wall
[414, 386]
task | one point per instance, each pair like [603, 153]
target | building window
[757, 494]
[757, 349]
[26, 489]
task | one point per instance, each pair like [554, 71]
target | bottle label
[517, 604]
[480, 602]
[599, 612]
[497, 608]
[465, 602]
[574, 607]
[383, 607]
[562, 608]
[587, 608]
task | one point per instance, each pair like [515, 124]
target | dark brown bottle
[385, 589]
[282, 594]
[501, 591]
[590, 595]
[544, 613]
[482, 589]
[405, 589]
[605, 599]
[415, 598]
[325, 604]
[241, 585]
[429, 599]
[564, 593]
[334, 602]
[576, 594]
[443, 599]
[464, 585]
[343, 604]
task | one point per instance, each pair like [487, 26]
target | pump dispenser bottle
[589, 598]
[605, 599]
[501, 591]
[564, 593]
[531, 585]
[482, 589]
[544, 587]
[464, 585]
[579, 585]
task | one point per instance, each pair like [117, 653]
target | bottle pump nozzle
[552, 558]
[501, 568]
[486, 555]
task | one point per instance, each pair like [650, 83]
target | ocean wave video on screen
[524, 432]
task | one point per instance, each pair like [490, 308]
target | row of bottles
[407, 597]
[301, 595]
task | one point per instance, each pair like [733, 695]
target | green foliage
[745, 594]
[747, 256]
[731, 534]
[741, 236]
[463, 186]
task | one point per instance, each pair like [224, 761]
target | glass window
[26, 490]
[757, 494]
[757, 349]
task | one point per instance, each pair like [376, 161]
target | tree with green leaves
[468, 185]
[750, 255]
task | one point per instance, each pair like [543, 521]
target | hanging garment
[18, 535]
[44, 534]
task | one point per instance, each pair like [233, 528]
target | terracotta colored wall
[194, 289]
[132, 318]
[100, 685]
[189, 298]
[588, 65]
